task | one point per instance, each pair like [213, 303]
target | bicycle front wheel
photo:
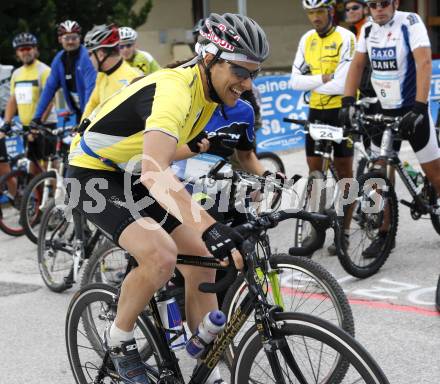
[91, 310]
[306, 347]
[40, 186]
[297, 284]
[12, 187]
[55, 248]
[374, 226]
[271, 162]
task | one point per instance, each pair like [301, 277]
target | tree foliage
[41, 17]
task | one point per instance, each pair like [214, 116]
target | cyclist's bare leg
[197, 304]
[391, 174]
[12, 183]
[344, 169]
[432, 172]
[314, 163]
[155, 252]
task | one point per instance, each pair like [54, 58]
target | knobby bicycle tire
[433, 198]
[437, 295]
[351, 257]
[29, 224]
[274, 159]
[13, 228]
[53, 219]
[307, 328]
[84, 335]
[311, 288]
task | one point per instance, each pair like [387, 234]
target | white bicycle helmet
[68, 26]
[127, 35]
[313, 4]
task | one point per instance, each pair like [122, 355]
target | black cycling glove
[346, 113]
[5, 128]
[221, 240]
[412, 119]
[198, 139]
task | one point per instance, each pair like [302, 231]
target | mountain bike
[376, 189]
[42, 188]
[64, 243]
[280, 347]
[293, 283]
[13, 184]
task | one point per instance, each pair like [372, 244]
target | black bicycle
[376, 211]
[294, 283]
[280, 347]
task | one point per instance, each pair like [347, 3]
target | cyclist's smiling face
[354, 12]
[70, 41]
[320, 18]
[230, 79]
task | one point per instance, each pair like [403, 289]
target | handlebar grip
[223, 284]
[295, 121]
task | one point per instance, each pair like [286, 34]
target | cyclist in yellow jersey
[113, 72]
[126, 153]
[141, 60]
[320, 66]
[27, 83]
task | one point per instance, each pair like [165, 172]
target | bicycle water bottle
[172, 320]
[212, 324]
[415, 175]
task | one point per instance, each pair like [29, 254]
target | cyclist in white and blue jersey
[398, 47]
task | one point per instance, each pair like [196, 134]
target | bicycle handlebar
[320, 223]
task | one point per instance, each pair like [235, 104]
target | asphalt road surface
[394, 310]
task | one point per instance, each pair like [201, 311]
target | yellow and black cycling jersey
[27, 83]
[323, 55]
[144, 62]
[110, 82]
[170, 100]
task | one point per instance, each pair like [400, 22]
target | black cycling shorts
[101, 198]
[3, 152]
[424, 142]
[330, 117]
[43, 146]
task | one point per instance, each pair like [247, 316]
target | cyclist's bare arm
[11, 109]
[355, 73]
[47, 111]
[249, 162]
[422, 57]
[184, 152]
[159, 151]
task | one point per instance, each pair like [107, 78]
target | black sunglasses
[122, 46]
[353, 8]
[381, 4]
[242, 72]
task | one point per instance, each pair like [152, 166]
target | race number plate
[326, 132]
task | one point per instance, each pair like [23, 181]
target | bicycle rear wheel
[271, 162]
[91, 310]
[31, 210]
[55, 248]
[305, 287]
[376, 202]
[10, 202]
[316, 346]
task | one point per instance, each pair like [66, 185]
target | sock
[347, 232]
[118, 336]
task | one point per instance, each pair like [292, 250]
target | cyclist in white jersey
[396, 43]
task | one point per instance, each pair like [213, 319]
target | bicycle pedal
[407, 203]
